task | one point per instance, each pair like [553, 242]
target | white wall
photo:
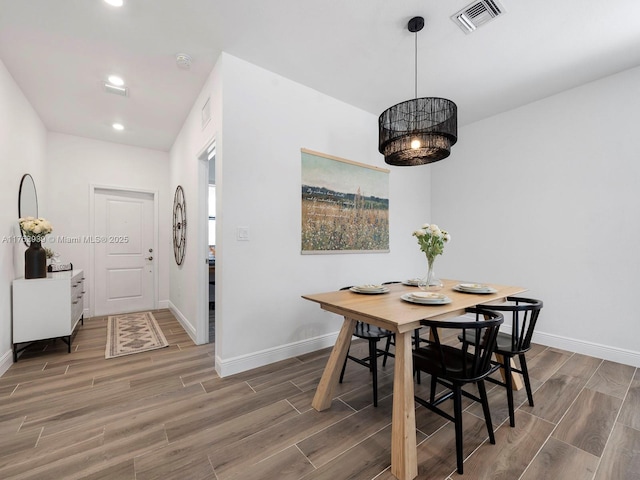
[260, 317]
[22, 150]
[76, 163]
[546, 197]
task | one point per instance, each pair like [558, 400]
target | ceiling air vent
[476, 14]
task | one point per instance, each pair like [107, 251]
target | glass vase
[430, 283]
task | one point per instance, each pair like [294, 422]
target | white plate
[474, 288]
[369, 289]
[409, 297]
[412, 282]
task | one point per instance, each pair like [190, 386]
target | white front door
[124, 256]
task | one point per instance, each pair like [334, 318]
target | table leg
[516, 378]
[331, 375]
[404, 456]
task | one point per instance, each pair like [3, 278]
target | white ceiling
[359, 51]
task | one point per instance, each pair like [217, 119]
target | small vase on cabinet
[35, 261]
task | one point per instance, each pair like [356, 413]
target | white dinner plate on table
[412, 282]
[370, 289]
[426, 298]
[474, 288]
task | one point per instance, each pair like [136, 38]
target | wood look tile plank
[557, 459]
[60, 385]
[223, 411]
[10, 444]
[621, 460]
[561, 389]
[339, 437]
[289, 464]
[612, 379]
[630, 412]
[287, 374]
[192, 451]
[233, 458]
[108, 408]
[545, 364]
[515, 447]
[82, 464]
[37, 408]
[589, 421]
[33, 463]
[363, 461]
[123, 470]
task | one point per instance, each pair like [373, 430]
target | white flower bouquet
[431, 240]
[35, 229]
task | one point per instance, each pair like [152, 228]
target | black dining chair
[456, 366]
[524, 316]
[373, 335]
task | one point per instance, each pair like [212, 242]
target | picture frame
[344, 205]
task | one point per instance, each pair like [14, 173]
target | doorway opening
[208, 162]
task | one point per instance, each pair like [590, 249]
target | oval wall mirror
[27, 199]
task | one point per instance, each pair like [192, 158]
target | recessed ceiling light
[115, 80]
[118, 126]
[115, 3]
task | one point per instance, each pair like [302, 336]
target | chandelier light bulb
[415, 144]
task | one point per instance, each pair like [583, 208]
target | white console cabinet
[46, 308]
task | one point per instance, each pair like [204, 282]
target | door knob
[150, 258]
[150, 250]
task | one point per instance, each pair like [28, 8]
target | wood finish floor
[167, 415]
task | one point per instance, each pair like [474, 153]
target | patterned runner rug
[133, 333]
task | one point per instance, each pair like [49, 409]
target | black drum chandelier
[418, 131]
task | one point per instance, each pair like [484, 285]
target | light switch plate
[242, 234]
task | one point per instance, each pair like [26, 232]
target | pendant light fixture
[418, 131]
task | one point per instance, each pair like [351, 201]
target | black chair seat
[366, 331]
[428, 359]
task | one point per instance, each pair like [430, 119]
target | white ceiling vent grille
[476, 14]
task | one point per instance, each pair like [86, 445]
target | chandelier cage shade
[418, 131]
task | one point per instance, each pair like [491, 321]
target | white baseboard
[619, 355]
[163, 304]
[191, 331]
[249, 361]
[6, 361]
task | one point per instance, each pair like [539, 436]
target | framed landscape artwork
[345, 205]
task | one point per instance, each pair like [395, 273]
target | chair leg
[373, 366]
[344, 365]
[506, 364]
[525, 375]
[434, 382]
[487, 413]
[386, 352]
[457, 415]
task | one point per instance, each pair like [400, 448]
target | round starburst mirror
[179, 225]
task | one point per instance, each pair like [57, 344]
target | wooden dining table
[390, 311]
